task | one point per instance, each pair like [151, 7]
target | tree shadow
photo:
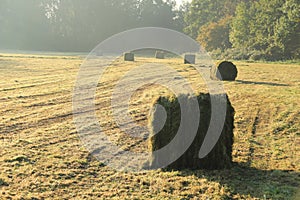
[260, 83]
[249, 181]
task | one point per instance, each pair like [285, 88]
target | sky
[179, 2]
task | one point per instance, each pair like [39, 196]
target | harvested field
[43, 158]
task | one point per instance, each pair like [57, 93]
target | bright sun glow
[179, 2]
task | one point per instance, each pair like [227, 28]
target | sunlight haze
[180, 2]
[149, 99]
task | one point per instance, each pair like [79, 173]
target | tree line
[77, 25]
[247, 29]
[241, 29]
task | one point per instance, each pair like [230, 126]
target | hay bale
[128, 57]
[189, 59]
[219, 158]
[160, 55]
[225, 71]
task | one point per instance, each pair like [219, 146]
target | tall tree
[268, 26]
[83, 24]
[242, 33]
[202, 12]
[23, 25]
[76, 25]
[215, 35]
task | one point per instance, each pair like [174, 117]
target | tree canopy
[270, 27]
[76, 25]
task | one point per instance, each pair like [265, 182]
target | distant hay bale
[221, 155]
[189, 59]
[128, 56]
[160, 55]
[225, 71]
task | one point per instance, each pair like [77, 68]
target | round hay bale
[221, 155]
[128, 57]
[225, 71]
[160, 55]
[189, 59]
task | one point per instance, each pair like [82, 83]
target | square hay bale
[160, 55]
[128, 57]
[221, 155]
[225, 71]
[189, 59]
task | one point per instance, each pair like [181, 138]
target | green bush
[217, 54]
[236, 54]
[274, 53]
[257, 55]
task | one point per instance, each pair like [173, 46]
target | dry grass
[42, 157]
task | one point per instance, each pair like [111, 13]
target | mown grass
[42, 156]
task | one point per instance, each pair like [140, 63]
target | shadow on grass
[248, 181]
[260, 83]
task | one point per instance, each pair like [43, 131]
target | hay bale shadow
[261, 83]
[248, 181]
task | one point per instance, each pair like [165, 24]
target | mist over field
[237, 29]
